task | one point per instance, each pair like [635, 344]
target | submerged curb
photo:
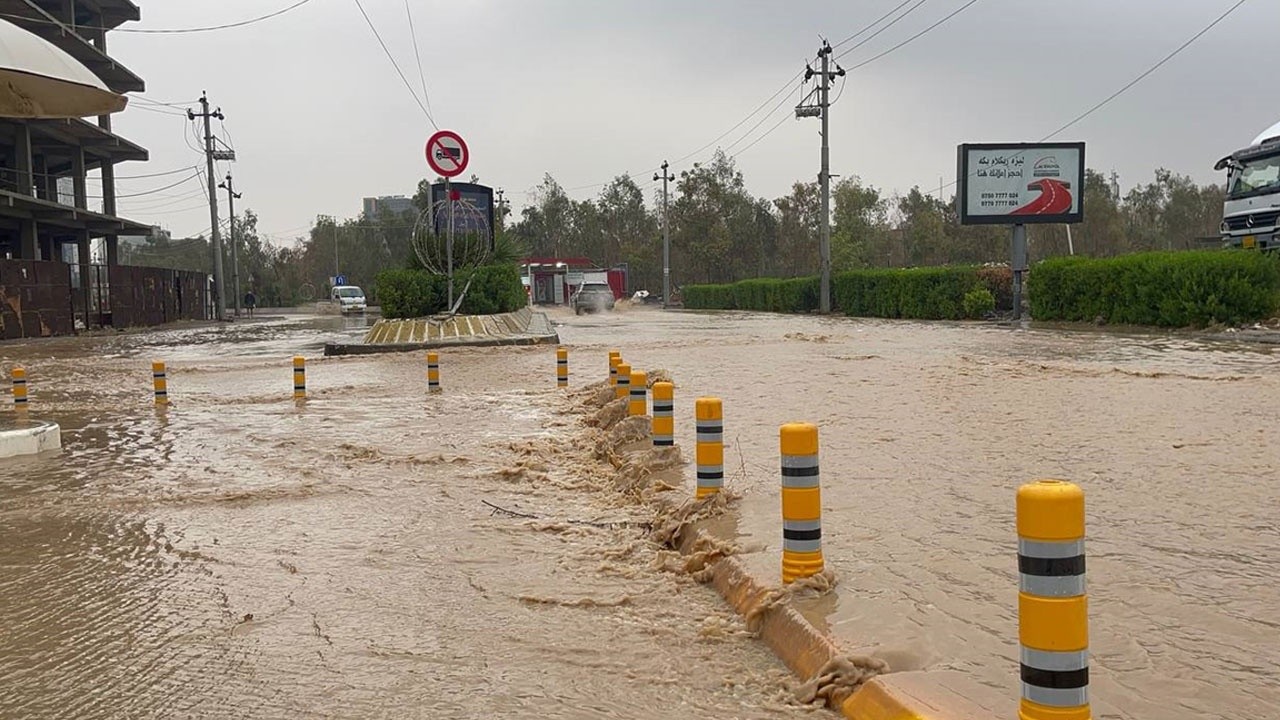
[916, 695]
[30, 438]
[795, 640]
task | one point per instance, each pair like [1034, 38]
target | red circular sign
[447, 153]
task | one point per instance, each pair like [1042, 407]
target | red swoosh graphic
[1054, 199]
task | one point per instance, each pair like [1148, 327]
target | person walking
[250, 302]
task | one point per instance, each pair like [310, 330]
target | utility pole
[666, 238]
[502, 211]
[232, 196]
[823, 110]
[219, 306]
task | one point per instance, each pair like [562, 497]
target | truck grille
[1261, 220]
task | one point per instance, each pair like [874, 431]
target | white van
[348, 299]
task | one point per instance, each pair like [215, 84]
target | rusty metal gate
[40, 299]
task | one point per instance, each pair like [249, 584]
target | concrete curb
[30, 438]
[795, 640]
[915, 695]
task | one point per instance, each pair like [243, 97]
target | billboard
[1017, 183]
[478, 197]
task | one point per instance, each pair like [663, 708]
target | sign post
[447, 154]
[1018, 184]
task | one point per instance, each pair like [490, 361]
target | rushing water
[243, 556]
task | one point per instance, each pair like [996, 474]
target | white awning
[39, 80]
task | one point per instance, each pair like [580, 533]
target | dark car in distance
[592, 297]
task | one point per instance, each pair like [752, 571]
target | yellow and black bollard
[160, 383]
[615, 358]
[623, 387]
[1053, 611]
[299, 377]
[801, 502]
[709, 420]
[433, 372]
[663, 427]
[562, 367]
[638, 406]
[19, 377]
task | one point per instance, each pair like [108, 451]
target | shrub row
[944, 293]
[417, 293]
[1173, 289]
[792, 295]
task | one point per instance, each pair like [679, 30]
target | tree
[860, 228]
[799, 220]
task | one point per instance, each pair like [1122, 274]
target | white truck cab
[347, 298]
[1251, 210]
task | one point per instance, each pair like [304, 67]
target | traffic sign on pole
[340, 280]
[447, 153]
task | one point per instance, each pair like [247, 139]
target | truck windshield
[1256, 176]
[350, 292]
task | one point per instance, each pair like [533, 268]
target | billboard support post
[1019, 267]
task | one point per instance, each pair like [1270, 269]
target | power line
[874, 58]
[396, 65]
[177, 105]
[414, 34]
[886, 27]
[187, 179]
[1129, 85]
[149, 108]
[1152, 69]
[901, 5]
[165, 31]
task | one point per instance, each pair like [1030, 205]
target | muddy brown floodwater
[241, 556]
[927, 429]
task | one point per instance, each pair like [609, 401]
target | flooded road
[926, 432]
[242, 556]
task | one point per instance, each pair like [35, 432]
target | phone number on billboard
[999, 199]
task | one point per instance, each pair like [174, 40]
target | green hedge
[1175, 289]
[921, 293]
[708, 297]
[418, 293]
[931, 293]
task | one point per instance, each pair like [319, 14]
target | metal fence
[40, 299]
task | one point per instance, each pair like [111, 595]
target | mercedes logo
[1248, 221]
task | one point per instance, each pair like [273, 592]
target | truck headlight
[1224, 227]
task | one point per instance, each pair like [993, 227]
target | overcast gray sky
[587, 90]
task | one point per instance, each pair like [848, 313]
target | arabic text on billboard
[1021, 183]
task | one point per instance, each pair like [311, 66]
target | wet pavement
[243, 556]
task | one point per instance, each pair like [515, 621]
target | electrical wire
[414, 34]
[886, 27]
[1131, 83]
[874, 58]
[396, 65]
[1150, 70]
[165, 31]
[844, 80]
[852, 37]
[786, 86]
[160, 111]
[166, 187]
[149, 101]
[767, 133]
[159, 174]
